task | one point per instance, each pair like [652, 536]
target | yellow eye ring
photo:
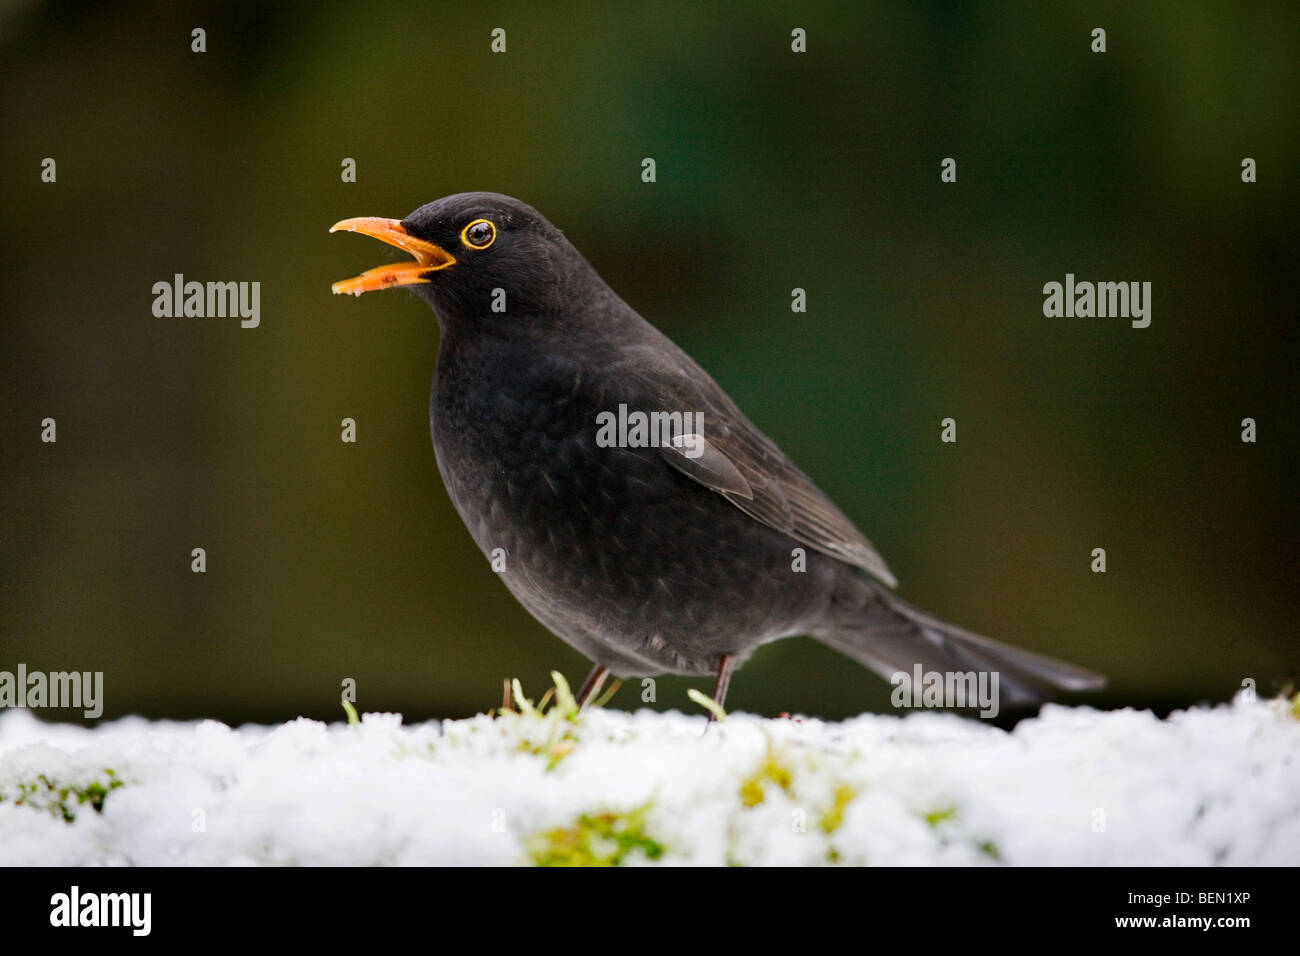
[491, 234]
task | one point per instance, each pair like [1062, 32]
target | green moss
[1295, 706]
[553, 749]
[63, 800]
[595, 839]
[770, 770]
[708, 703]
[935, 817]
[834, 817]
[560, 721]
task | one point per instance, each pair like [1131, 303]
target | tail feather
[888, 635]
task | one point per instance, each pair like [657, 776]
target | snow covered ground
[1073, 786]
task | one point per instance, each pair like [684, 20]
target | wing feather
[781, 496]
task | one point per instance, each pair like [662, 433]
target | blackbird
[677, 547]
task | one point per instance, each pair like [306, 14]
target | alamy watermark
[637, 429]
[213, 300]
[133, 911]
[1084, 300]
[82, 690]
[946, 689]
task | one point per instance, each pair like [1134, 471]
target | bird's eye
[479, 234]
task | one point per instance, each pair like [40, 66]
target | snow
[1209, 785]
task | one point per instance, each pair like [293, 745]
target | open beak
[429, 257]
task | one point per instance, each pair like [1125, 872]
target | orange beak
[429, 257]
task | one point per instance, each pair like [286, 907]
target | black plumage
[648, 560]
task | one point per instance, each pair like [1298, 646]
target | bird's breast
[600, 540]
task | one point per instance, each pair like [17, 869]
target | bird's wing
[742, 464]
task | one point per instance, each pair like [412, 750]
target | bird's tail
[890, 636]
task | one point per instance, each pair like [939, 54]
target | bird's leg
[724, 678]
[591, 685]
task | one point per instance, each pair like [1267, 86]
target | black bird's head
[477, 256]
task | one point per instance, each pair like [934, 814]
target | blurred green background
[775, 170]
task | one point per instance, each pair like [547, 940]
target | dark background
[775, 170]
